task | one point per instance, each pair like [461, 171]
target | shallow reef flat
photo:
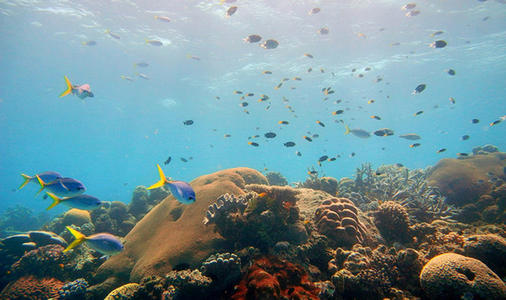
[390, 232]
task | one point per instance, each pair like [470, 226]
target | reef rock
[339, 219]
[463, 181]
[172, 234]
[451, 276]
[126, 291]
[490, 249]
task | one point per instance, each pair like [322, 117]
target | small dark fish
[298, 153]
[167, 161]
[283, 122]
[441, 150]
[420, 88]
[154, 43]
[452, 100]
[315, 136]
[253, 144]
[352, 154]
[263, 98]
[309, 70]
[227, 135]
[314, 11]
[141, 64]
[250, 95]
[313, 172]
[267, 72]
[320, 123]
[412, 13]
[462, 154]
[188, 122]
[270, 44]
[238, 92]
[323, 158]
[183, 159]
[496, 122]
[89, 43]
[323, 31]
[475, 121]
[289, 144]
[414, 145]
[332, 159]
[438, 44]
[338, 112]
[308, 55]
[451, 72]
[270, 135]
[231, 11]
[384, 132]
[375, 117]
[409, 6]
[399, 165]
[253, 38]
[244, 104]
[465, 137]
[439, 32]
[308, 138]
[418, 113]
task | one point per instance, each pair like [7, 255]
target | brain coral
[392, 221]
[77, 217]
[30, 287]
[338, 219]
[490, 249]
[451, 276]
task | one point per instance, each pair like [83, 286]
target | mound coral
[30, 287]
[392, 220]
[44, 261]
[276, 178]
[76, 217]
[338, 219]
[326, 184]
[271, 278]
[488, 248]
[73, 290]
[452, 276]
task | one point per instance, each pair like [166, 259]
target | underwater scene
[235, 149]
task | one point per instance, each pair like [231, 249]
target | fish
[188, 122]
[253, 144]
[307, 138]
[231, 10]
[167, 161]
[270, 44]
[465, 137]
[48, 176]
[323, 158]
[352, 154]
[338, 112]
[452, 100]
[283, 122]
[495, 122]
[370, 101]
[270, 135]
[124, 77]
[183, 159]
[451, 72]
[244, 104]
[314, 11]
[475, 121]
[162, 18]
[82, 91]
[192, 57]
[64, 187]
[289, 144]
[376, 117]
[227, 135]
[154, 43]
[308, 55]
[143, 76]
[261, 195]
[418, 113]
[357, 132]
[410, 136]
[250, 94]
[320, 123]
[111, 34]
[408, 6]
[419, 88]
[182, 191]
[252, 38]
[104, 243]
[89, 43]
[312, 172]
[441, 150]
[412, 13]
[414, 145]
[462, 154]
[332, 159]
[238, 92]
[384, 132]
[84, 202]
[309, 70]
[277, 87]
[327, 91]
[323, 31]
[297, 78]
[266, 72]
[439, 32]
[263, 98]
[297, 153]
[438, 44]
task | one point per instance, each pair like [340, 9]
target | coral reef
[20, 219]
[115, 220]
[124, 292]
[223, 268]
[452, 276]
[164, 240]
[326, 184]
[463, 181]
[44, 261]
[271, 278]
[188, 284]
[338, 219]
[30, 287]
[276, 178]
[392, 220]
[488, 248]
[484, 150]
[73, 290]
[76, 217]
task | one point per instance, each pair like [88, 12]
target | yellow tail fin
[27, 179]
[79, 238]
[42, 184]
[347, 129]
[56, 200]
[162, 181]
[69, 87]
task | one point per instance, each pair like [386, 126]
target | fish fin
[42, 184]
[27, 179]
[79, 238]
[69, 87]
[347, 131]
[56, 200]
[162, 181]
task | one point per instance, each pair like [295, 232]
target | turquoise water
[113, 141]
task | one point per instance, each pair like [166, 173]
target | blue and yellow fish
[181, 190]
[63, 187]
[85, 202]
[104, 243]
[48, 176]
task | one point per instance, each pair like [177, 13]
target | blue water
[112, 142]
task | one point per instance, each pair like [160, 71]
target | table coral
[271, 278]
